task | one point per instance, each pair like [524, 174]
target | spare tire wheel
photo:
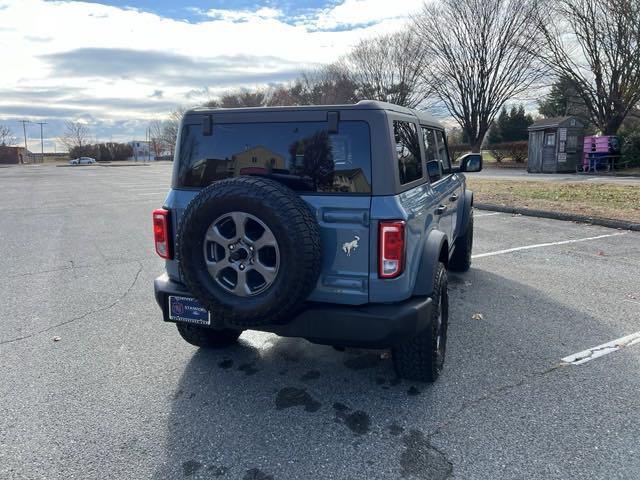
[249, 249]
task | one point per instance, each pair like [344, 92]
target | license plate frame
[187, 310]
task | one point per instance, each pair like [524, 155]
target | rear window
[302, 155]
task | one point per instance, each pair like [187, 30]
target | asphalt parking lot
[94, 385]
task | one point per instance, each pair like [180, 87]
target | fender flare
[436, 249]
[468, 209]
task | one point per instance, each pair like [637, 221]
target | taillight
[161, 233]
[391, 258]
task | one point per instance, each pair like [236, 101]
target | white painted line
[601, 350]
[476, 215]
[550, 244]
[152, 193]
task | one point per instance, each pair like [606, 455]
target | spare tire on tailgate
[249, 249]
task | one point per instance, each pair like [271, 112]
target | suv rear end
[359, 170]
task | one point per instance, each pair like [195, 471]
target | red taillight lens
[161, 232]
[391, 259]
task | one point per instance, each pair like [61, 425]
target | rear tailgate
[345, 248]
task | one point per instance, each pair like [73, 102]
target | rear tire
[207, 337]
[421, 358]
[461, 258]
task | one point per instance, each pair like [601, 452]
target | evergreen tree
[511, 126]
[563, 100]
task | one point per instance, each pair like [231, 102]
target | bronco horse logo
[349, 247]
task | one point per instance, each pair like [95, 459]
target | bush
[630, 142]
[458, 149]
[516, 151]
[498, 154]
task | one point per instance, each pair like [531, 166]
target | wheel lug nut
[241, 266]
[231, 247]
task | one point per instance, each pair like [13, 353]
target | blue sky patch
[193, 11]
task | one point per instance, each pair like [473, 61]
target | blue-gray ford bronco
[334, 223]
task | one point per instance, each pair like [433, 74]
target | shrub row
[516, 151]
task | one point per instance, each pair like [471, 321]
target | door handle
[453, 197]
[441, 209]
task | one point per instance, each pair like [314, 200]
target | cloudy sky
[119, 64]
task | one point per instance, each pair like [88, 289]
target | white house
[141, 151]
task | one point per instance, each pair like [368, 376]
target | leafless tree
[479, 56]
[239, 99]
[285, 95]
[595, 44]
[7, 138]
[75, 135]
[156, 140]
[327, 85]
[170, 129]
[389, 68]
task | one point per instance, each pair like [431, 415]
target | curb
[570, 217]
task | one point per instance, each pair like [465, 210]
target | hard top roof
[361, 105]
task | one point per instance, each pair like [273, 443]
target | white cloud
[364, 12]
[244, 15]
[41, 40]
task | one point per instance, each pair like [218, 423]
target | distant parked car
[82, 161]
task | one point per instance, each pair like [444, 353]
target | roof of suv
[361, 105]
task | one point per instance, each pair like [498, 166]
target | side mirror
[470, 162]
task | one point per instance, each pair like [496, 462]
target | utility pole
[41, 141]
[24, 130]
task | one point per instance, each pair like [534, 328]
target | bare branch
[389, 68]
[76, 135]
[480, 55]
[7, 138]
[596, 45]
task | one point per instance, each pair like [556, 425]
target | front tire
[461, 258]
[421, 358]
[207, 337]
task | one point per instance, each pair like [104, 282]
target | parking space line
[475, 215]
[550, 244]
[601, 350]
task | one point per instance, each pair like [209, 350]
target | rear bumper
[367, 326]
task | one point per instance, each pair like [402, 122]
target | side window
[434, 168]
[443, 152]
[408, 151]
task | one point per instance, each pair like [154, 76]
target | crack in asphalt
[491, 395]
[73, 266]
[84, 315]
